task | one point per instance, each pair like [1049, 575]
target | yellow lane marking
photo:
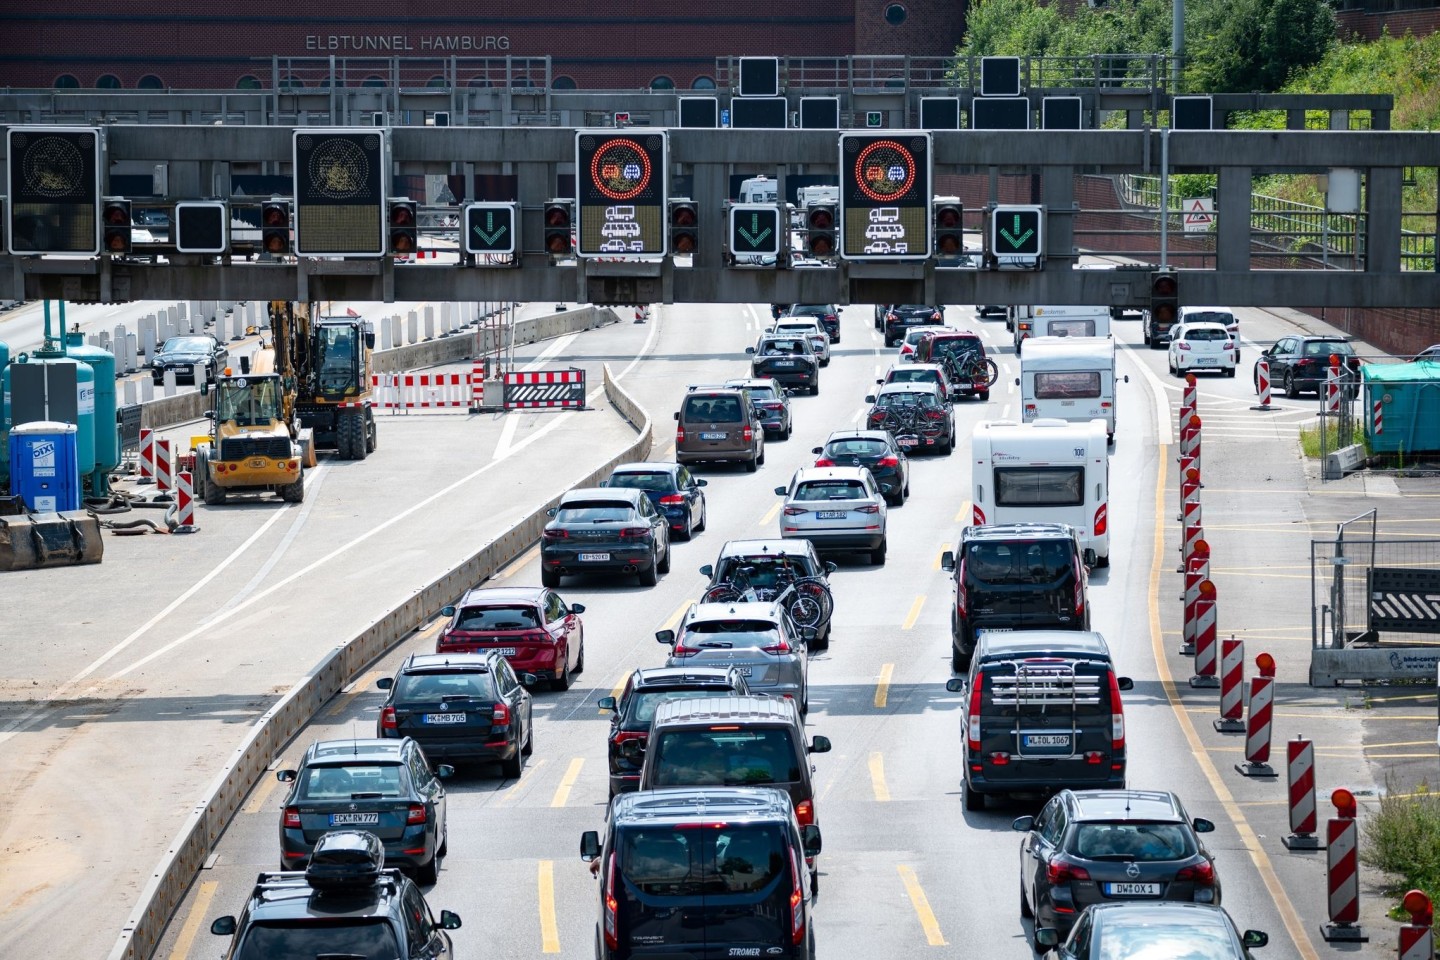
[1403, 743]
[882, 686]
[186, 939]
[914, 614]
[549, 930]
[963, 516]
[572, 773]
[921, 904]
[1385, 698]
[669, 452]
[877, 777]
[262, 794]
[674, 620]
[514, 566]
[364, 685]
[508, 796]
[1278, 896]
[770, 514]
[940, 553]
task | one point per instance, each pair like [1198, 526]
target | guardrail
[187, 854]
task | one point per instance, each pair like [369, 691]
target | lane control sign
[1017, 232]
[755, 229]
[491, 228]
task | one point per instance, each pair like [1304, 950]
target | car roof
[481, 595]
[909, 386]
[858, 435]
[649, 678]
[454, 662]
[775, 547]
[685, 803]
[1143, 912]
[725, 709]
[807, 474]
[753, 382]
[1126, 805]
[709, 612]
[996, 645]
[647, 466]
[1018, 531]
[289, 896]
[615, 494]
[369, 748]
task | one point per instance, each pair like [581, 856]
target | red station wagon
[531, 627]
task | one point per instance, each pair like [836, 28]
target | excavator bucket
[37, 540]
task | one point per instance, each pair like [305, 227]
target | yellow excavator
[309, 389]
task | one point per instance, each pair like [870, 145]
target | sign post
[885, 195]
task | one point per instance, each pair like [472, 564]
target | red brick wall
[1370, 26]
[931, 28]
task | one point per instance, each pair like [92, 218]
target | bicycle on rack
[808, 600]
[972, 367]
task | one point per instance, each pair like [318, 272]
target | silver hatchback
[758, 639]
[835, 508]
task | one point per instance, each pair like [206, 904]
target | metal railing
[877, 74]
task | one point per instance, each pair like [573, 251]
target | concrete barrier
[187, 854]
[1343, 461]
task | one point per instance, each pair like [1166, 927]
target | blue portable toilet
[44, 467]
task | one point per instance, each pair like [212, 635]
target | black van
[1042, 713]
[703, 873]
[1016, 576]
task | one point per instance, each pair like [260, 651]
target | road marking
[363, 685]
[507, 435]
[1281, 899]
[507, 796]
[549, 930]
[669, 452]
[514, 566]
[572, 773]
[1164, 429]
[186, 939]
[963, 515]
[877, 777]
[674, 620]
[940, 553]
[914, 614]
[882, 686]
[555, 346]
[770, 514]
[262, 794]
[921, 904]
[1005, 412]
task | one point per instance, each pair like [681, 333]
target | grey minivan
[721, 425]
[758, 639]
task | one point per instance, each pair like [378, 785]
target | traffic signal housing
[118, 237]
[275, 227]
[684, 226]
[820, 229]
[404, 228]
[560, 228]
[1164, 297]
[949, 229]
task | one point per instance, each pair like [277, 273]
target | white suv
[1203, 346]
[835, 508]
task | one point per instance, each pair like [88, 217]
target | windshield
[248, 402]
[186, 345]
[1018, 563]
[1323, 348]
[347, 781]
[709, 858]
[831, 490]
[508, 617]
[336, 360]
[594, 513]
[725, 756]
[471, 685]
[366, 938]
[721, 409]
[731, 633]
[1145, 842]
[858, 448]
[659, 482]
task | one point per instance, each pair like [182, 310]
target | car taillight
[680, 650]
[805, 812]
[292, 818]
[772, 406]
[795, 511]
[868, 508]
[1229, 345]
[556, 534]
[747, 434]
[779, 646]
[1101, 520]
[1062, 871]
[620, 736]
[635, 533]
[934, 414]
[876, 416]
[974, 715]
[936, 317]
[612, 908]
[500, 715]
[673, 498]
[888, 462]
[832, 318]
[1023, 326]
[1117, 717]
[824, 462]
[797, 902]
[679, 435]
[1181, 344]
[416, 814]
[977, 516]
[387, 719]
[1202, 873]
[962, 597]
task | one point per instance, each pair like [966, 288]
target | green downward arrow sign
[1016, 239]
[491, 233]
[754, 236]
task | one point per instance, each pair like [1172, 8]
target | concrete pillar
[252, 314]
[397, 329]
[182, 310]
[385, 334]
[222, 327]
[131, 393]
[132, 362]
[169, 383]
[147, 390]
[413, 328]
[196, 317]
[147, 335]
[429, 322]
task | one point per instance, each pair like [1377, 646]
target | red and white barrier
[1205, 614]
[545, 389]
[1262, 384]
[184, 503]
[1300, 772]
[1189, 398]
[1197, 571]
[164, 470]
[477, 383]
[1190, 440]
[1189, 484]
[1342, 872]
[1190, 511]
[1332, 385]
[1377, 419]
[1258, 719]
[422, 391]
[1193, 535]
[147, 455]
[1232, 687]
[1417, 939]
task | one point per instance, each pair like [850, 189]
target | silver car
[793, 326]
[758, 639]
[835, 508]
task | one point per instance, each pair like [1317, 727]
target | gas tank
[107, 431]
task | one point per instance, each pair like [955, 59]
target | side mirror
[209, 414]
[819, 744]
[707, 571]
[1202, 825]
[1127, 378]
[666, 637]
[677, 414]
[444, 771]
[589, 845]
[447, 611]
[1124, 683]
[750, 350]
[880, 380]
[817, 449]
[223, 926]
[869, 398]
[955, 685]
[385, 683]
[285, 776]
[1089, 557]
[449, 920]
[1022, 824]
[577, 608]
[529, 679]
[831, 566]
[779, 491]
[810, 839]
[1017, 381]
[947, 561]
[1047, 937]
[633, 750]
[205, 388]
[551, 512]
[606, 703]
[605, 482]
[702, 483]
[1255, 938]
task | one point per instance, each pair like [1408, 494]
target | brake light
[779, 646]
[553, 534]
[620, 736]
[1202, 873]
[416, 814]
[869, 508]
[977, 516]
[1062, 871]
[795, 511]
[612, 908]
[673, 498]
[1117, 717]
[805, 812]
[974, 712]
[824, 462]
[886, 462]
[962, 598]
[876, 416]
[1101, 520]
[1023, 326]
[773, 406]
[934, 414]
[680, 650]
[388, 720]
[892, 316]
[679, 435]
[1229, 345]
[936, 317]
[1182, 345]
[635, 533]
[747, 434]
[797, 902]
[292, 818]
[500, 715]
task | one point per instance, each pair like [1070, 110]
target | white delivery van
[1060, 322]
[759, 190]
[1069, 378]
[1048, 471]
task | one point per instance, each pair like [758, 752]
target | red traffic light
[275, 227]
[117, 215]
[684, 221]
[404, 232]
[559, 235]
[820, 218]
[1163, 285]
[117, 237]
[949, 229]
[820, 230]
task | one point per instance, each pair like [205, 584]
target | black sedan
[1111, 846]
[1141, 931]
[605, 530]
[772, 401]
[876, 449]
[463, 707]
[184, 353]
[385, 787]
[1302, 363]
[670, 487]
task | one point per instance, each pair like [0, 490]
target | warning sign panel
[1199, 214]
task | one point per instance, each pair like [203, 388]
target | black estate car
[605, 530]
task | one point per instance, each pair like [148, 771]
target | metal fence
[1367, 592]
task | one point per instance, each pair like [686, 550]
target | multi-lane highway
[150, 704]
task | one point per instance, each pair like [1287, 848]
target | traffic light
[820, 229]
[559, 228]
[684, 226]
[1164, 297]
[117, 239]
[275, 227]
[404, 228]
[949, 229]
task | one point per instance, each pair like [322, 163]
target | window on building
[247, 82]
[437, 82]
[895, 14]
[563, 83]
[373, 81]
[703, 83]
[662, 83]
[66, 82]
[477, 82]
[150, 82]
[291, 83]
[108, 81]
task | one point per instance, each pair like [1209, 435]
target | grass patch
[1310, 439]
[1403, 840]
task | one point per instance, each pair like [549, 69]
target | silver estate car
[758, 639]
[835, 508]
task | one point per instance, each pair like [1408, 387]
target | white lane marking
[507, 434]
[1005, 412]
[1164, 429]
[556, 346]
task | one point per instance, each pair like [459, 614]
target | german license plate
[442, 719]
[784, 363]
[908, 442]
[1206, 361]
[505, 651]
[831, 514]
[1132, 889]
[588, 557]
[712, 436]
[744, 671]
[354, 819]
[1047, 740]
[256, 463]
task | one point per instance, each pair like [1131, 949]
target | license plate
[594, 556]
[831, 514]
[504, 651]
[354, 819]
[441, 719]
[1206, 361]
[256, 463]
[784, 363]
[908, 441]
[744, 671]
[712, 436]
[1132, 889]
[1047, 740]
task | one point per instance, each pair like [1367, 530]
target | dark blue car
[675, 493]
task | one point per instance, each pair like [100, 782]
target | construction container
[106, 426]
[43, 468]
[1408, 399]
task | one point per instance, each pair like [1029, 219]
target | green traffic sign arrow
[754, 236]
[1016, 239]
[491, 233]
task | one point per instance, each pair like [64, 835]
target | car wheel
[1230, 372]
[512, 769]
[752, 464]
[445, 843]
[664, 565]
[529, 747]
[1025, 910]
[549, 578]
[825, 363]
[1146, 336]
[761, 459]
[983, 396]
[877, 556]
[580, 657]
[704, 515]
[562, 679]
[974, 802]
[1290, 390]
[687, 531]
[789, 429]
[650, 576]
[294, 492]
[428, 874]
[815, 388]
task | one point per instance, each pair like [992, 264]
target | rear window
[583, 512]
[659, 482]
[763, 572]
[1144, 842]
[1323, 348]
[722, 409]
[913, 335]
[906, 398]
[777, 348]
[1067, 385]
[914, 376]
[1039, 486]
[1018, 563]
[442, 686]
[643, 703]
[1209, 316]
[359, 938]
[1071, 328]
[508, 617]
[860, 447]
[343, 782]
[1050, 685]
[691, 860]
[736, 633]
[955, 346]
[831, 490]
[1206, 334]
[724, 756]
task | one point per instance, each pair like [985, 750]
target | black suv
[789, 360]
[902, 316]
[703, 871]
[346, 903]
[1017, 576]
[1302, 363]
[827, 313]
